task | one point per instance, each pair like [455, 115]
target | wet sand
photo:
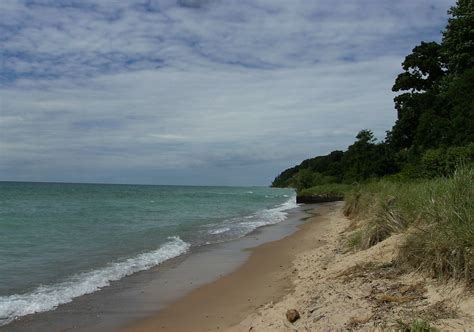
[264, 278]
[302, 263]
[332, 287]
[143, 294]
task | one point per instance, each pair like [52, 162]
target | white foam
[243, 225]
[219, 230]
[269, 216]
[46, 298]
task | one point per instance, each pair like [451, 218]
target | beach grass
[437, 216]
[417, 325]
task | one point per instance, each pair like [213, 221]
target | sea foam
[269, 216]
[219, 230]
[241, 226]
[48, 297]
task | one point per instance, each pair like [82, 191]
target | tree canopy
[435, 117]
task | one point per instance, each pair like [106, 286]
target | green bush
[338, 189]
[305, 178]
[443, 161]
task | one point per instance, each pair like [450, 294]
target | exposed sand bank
[311, 271]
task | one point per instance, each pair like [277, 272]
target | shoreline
[302, 263]
[144, 293]
[332, 287]
[264, 277]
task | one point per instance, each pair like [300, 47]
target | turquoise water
[60, 241]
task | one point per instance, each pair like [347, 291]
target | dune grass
[437, 214]
[416, 325]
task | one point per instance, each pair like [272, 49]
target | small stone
[292, 315]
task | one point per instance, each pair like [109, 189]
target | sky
[197, 92]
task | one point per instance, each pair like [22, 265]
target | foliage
[458, 37]
[417, 325]
[443, 161]
[365, 158]
[434, 130]
[443, 242]
[439, 212]
[420, 179]
[423, 68]
[337, 189]
[325, 169]
[458, 95]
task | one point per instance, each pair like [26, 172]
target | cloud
[178, 91]
[194, 3]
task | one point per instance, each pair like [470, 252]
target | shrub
[443, 161]
[338, 189]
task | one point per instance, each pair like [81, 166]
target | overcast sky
[213, 92]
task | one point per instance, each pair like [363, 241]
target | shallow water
[61, 241]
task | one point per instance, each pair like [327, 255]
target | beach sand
[312, 271]
[265, 277]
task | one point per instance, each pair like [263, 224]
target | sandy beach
[208, 165]
[265, 277]
[332, 288]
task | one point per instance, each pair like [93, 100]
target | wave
[269, 216]
[219, 230]
[48, 297]
[243, 225]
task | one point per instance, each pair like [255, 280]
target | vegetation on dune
[438, 215]
[420, 178]
[336, 189]
[443, 244]
[415, 326]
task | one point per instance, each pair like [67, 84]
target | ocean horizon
[59, 241]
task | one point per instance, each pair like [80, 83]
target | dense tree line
[434, 129]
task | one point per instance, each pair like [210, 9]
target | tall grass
[444, 243]
[438, 215]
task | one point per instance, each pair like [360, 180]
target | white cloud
[101, 92]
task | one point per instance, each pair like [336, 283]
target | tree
[366, 158]
[423, 69]
[304, 179]
[459, 97]
[458, 37]
[409, 107]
